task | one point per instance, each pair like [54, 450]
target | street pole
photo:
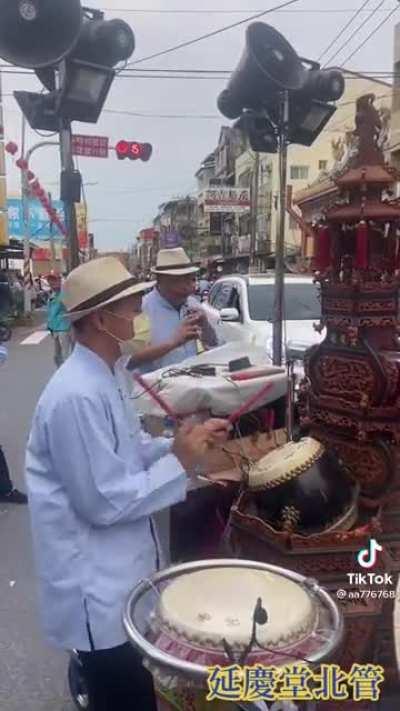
[25, 198]
[254, 209]
[67, 164]
[280, 237]
[27, 228]
[25, 194]
[52, 246]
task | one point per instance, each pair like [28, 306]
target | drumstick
[156, 397]
[235, 416]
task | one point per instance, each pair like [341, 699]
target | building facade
[395, 124]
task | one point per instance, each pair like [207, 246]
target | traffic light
[133, 150]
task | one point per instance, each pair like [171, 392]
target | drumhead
[285, 463]
[209, 606]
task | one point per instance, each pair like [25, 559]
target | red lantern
[11, 148]
[31, 176]
[323, 249]
[22, 163]
[362, 246]
[35, 186]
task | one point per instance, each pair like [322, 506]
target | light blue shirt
[165, 320]
[94, 479]
[3, 354]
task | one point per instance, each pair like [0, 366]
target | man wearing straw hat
[93, 486]
[177, 322]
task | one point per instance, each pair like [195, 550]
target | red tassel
[362, 246]
[323, 249]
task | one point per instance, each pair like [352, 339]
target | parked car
[241, 308]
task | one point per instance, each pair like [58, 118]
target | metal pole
[280, 238]
[25, 198]
[67, 163]
[25, 194]
[52, 245]
[254, 209]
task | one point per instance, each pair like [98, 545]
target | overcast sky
[128, 193]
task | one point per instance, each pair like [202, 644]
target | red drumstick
[156, 397]
[235, 416]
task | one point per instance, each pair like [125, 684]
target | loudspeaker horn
[38, 33]
[269, 64]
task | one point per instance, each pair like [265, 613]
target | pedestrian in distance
[57, 322]
[8, 493]
[94, 485]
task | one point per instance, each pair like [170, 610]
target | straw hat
[96, 284]
[174, 262]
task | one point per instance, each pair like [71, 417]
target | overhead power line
[147, 11]
[343, 29]
[188, 43]
[381, 24]
[356, 31]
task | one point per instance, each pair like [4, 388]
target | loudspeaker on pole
[38, 33]
[269, 65]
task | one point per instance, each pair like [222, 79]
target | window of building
[215, 223]
[396, 82]
[323, 164]
[299, 172]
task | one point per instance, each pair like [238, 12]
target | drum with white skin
[304, 488]
[224, 612]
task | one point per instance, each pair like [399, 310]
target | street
[32, 675]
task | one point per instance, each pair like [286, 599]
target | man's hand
[192, 442]
[188, 331]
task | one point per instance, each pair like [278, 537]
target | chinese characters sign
[90, 146]
[39, 219]
[170, 240]
[235, 200]
[296, 682]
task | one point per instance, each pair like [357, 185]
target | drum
[229, 612]
[304, 488]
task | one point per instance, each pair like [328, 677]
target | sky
[123, 196]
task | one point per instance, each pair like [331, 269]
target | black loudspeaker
[38, 33]
[269, 65]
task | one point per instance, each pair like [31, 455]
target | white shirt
[93, 483]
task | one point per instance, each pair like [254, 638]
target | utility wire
[188, 43]
[381, 24]
[196, 73]
[343, 29]
[356, 31]
[140, 11]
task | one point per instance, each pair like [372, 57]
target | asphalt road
[32, 675]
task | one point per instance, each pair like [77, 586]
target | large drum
[304, 488]
[224, 612]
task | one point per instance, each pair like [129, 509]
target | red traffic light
[133, 150]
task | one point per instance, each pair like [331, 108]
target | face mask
[141, 339]
[141, 329]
